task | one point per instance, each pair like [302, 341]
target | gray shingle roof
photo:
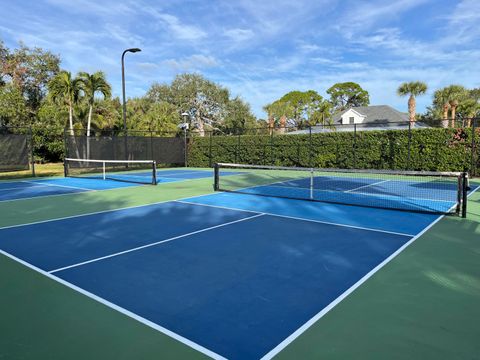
[375, 114]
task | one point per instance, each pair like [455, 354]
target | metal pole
[354, 146]
[185, 145]
[133, 50]
[409, 143]
[473, 169]
[310, 147]
[31, 151]
[210, 150]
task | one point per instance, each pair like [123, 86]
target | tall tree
[346, 95]
[412, 89]
[298, 108]
[238, 115]
[206, 102]
[92, 84]
[29, 69]
[448, 98]
[65, 89]
[13, 110]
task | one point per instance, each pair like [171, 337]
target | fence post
[210, 149]
[31, 150]
[473, 169]
[272, 158]
[354, 146]
[409, 144]
[151, 145]
[237, 149]
[65, 142]
[310, 147]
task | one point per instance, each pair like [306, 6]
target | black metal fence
[424, 145]
[166, 148]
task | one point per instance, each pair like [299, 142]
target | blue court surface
[14, 190]
[231, 275]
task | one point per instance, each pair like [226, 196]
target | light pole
[185, 116]
[133, 50]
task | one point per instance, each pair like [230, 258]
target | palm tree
[67, 90]
[413, 89]
[92, 84]
[453, 107]
[449, 98]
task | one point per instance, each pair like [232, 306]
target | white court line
[272, 353]
[56, 185]
[121, 310]
[91, 213]
[153, 244]
[364, 186]
[298, 218]
[22, 187]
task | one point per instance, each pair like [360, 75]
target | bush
[434, 149]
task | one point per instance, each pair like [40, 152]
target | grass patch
[51, 169]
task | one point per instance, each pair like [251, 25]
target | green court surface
[424, 304]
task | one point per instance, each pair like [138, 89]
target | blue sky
[260, 50]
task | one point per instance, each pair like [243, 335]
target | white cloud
[238, 35]
[178, 29]
[194, 62]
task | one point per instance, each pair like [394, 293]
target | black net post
[154, 174]
[464, 194]
[216, 185]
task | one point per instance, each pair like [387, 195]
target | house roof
[375, 114]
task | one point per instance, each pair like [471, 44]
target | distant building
[366, 118]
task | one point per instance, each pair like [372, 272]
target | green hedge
[430, 149]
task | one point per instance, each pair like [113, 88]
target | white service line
[364, 186]
[154, 244]
[56, 185]
[121, 310]
[91, 213]
[299, 218]
[272, 353]
[22, 188]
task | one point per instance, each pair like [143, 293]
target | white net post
[104, 171]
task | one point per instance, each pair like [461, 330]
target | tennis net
[418, 191]
[135, 171]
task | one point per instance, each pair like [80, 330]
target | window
[351, 120]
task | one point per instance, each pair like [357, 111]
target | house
[364, 118]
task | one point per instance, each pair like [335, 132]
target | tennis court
[229, 274]
[26, 189]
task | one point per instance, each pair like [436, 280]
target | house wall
[357, 117]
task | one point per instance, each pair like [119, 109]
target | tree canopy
[208, 105]
[347, 94]
[299, 107]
